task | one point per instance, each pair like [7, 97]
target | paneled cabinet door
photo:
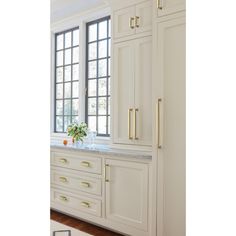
[143, 98]
[123, 90]
[127, 193]
[165, 7]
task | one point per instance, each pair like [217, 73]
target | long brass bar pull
[106, 166]
[131, 21]
[137, 21]
[159, 4]
[135, 123]
[158, 125]
[129, 125]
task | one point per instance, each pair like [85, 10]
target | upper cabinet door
[165, 7]
[143, 18]
[123, 91]
[124, 22]
[143, 98]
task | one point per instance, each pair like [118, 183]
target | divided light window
[98, 75]
[66, 78]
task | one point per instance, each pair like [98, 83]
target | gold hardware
[63, 179]
[135, 126]
[158, 125]
[85, 184]
[159, 4]
[131, 20]
[63, 160]
[85, 204]
[137, 21]
[63, 198]
[106, 180]
[129, 126]
[85, 164]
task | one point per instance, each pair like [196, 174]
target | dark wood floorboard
[81, 225]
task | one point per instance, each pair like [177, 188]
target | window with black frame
[66, 78]
[98, 75]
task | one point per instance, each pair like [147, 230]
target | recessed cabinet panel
[126, 193]
[165, 7]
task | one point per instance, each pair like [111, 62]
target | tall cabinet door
[171, 155]
[143, 85]
[123, 91]
[127, 193]
[165, 7]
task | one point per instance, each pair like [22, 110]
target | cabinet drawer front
[80, 162]
[77, 182]
[80, 203]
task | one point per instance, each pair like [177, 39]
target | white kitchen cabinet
[132, 92]
[132, 20]
[126, 193]
[169, 86]
[166, 7]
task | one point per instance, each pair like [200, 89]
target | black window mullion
[97, 80]
[71, 70]
[63, 116]
[107, 76]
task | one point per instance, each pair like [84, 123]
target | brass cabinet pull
[85, 204]
[158, 123]
[63, 198]
[159, 4]
[106, 166]
[137, 21]
[129, 126]
[63, 160]
[85, 164]
[135, 123]
[131, 21]
[63, 179]
[85, 184]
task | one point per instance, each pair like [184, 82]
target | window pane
[60, 58]
[92, 69]
[109, 106]
[109, 67]
[75, 119]
[68, 40]
[59, 123]
[67, 90]
[109, 123]
[102, 30]
[60, 39]
[109, 47]
[92, 106]
[75, 37]
[109, 87]
[75, 89]
[102, 87]
[67, 121]
[102, 68]
[67, 107]
[76, 55]
[102, 106]
[76, 72]
[59, 107]
[59, 91]
[67, 56]
[92, 123]
[92, 87]
[109, 28]
[102, 124]
[68, 73]
[92, 51]
[75, 106]
[92, 32]
[59, 75]
[102, 50]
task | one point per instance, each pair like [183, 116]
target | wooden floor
[81, 225]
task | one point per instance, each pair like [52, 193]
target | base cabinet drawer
[80, 162]
[76, 182]
[80, 203]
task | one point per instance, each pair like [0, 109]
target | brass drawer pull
[85, 204]
[85, 164]
[85, 184]
[130, 110]
[63, 160]
[159, 4]
[131, 21]
[137, 21]
[63, 179]
[135, 123]
[105, 171]
[63, 198]
[158, 123]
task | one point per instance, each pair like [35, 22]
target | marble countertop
[103, 150]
